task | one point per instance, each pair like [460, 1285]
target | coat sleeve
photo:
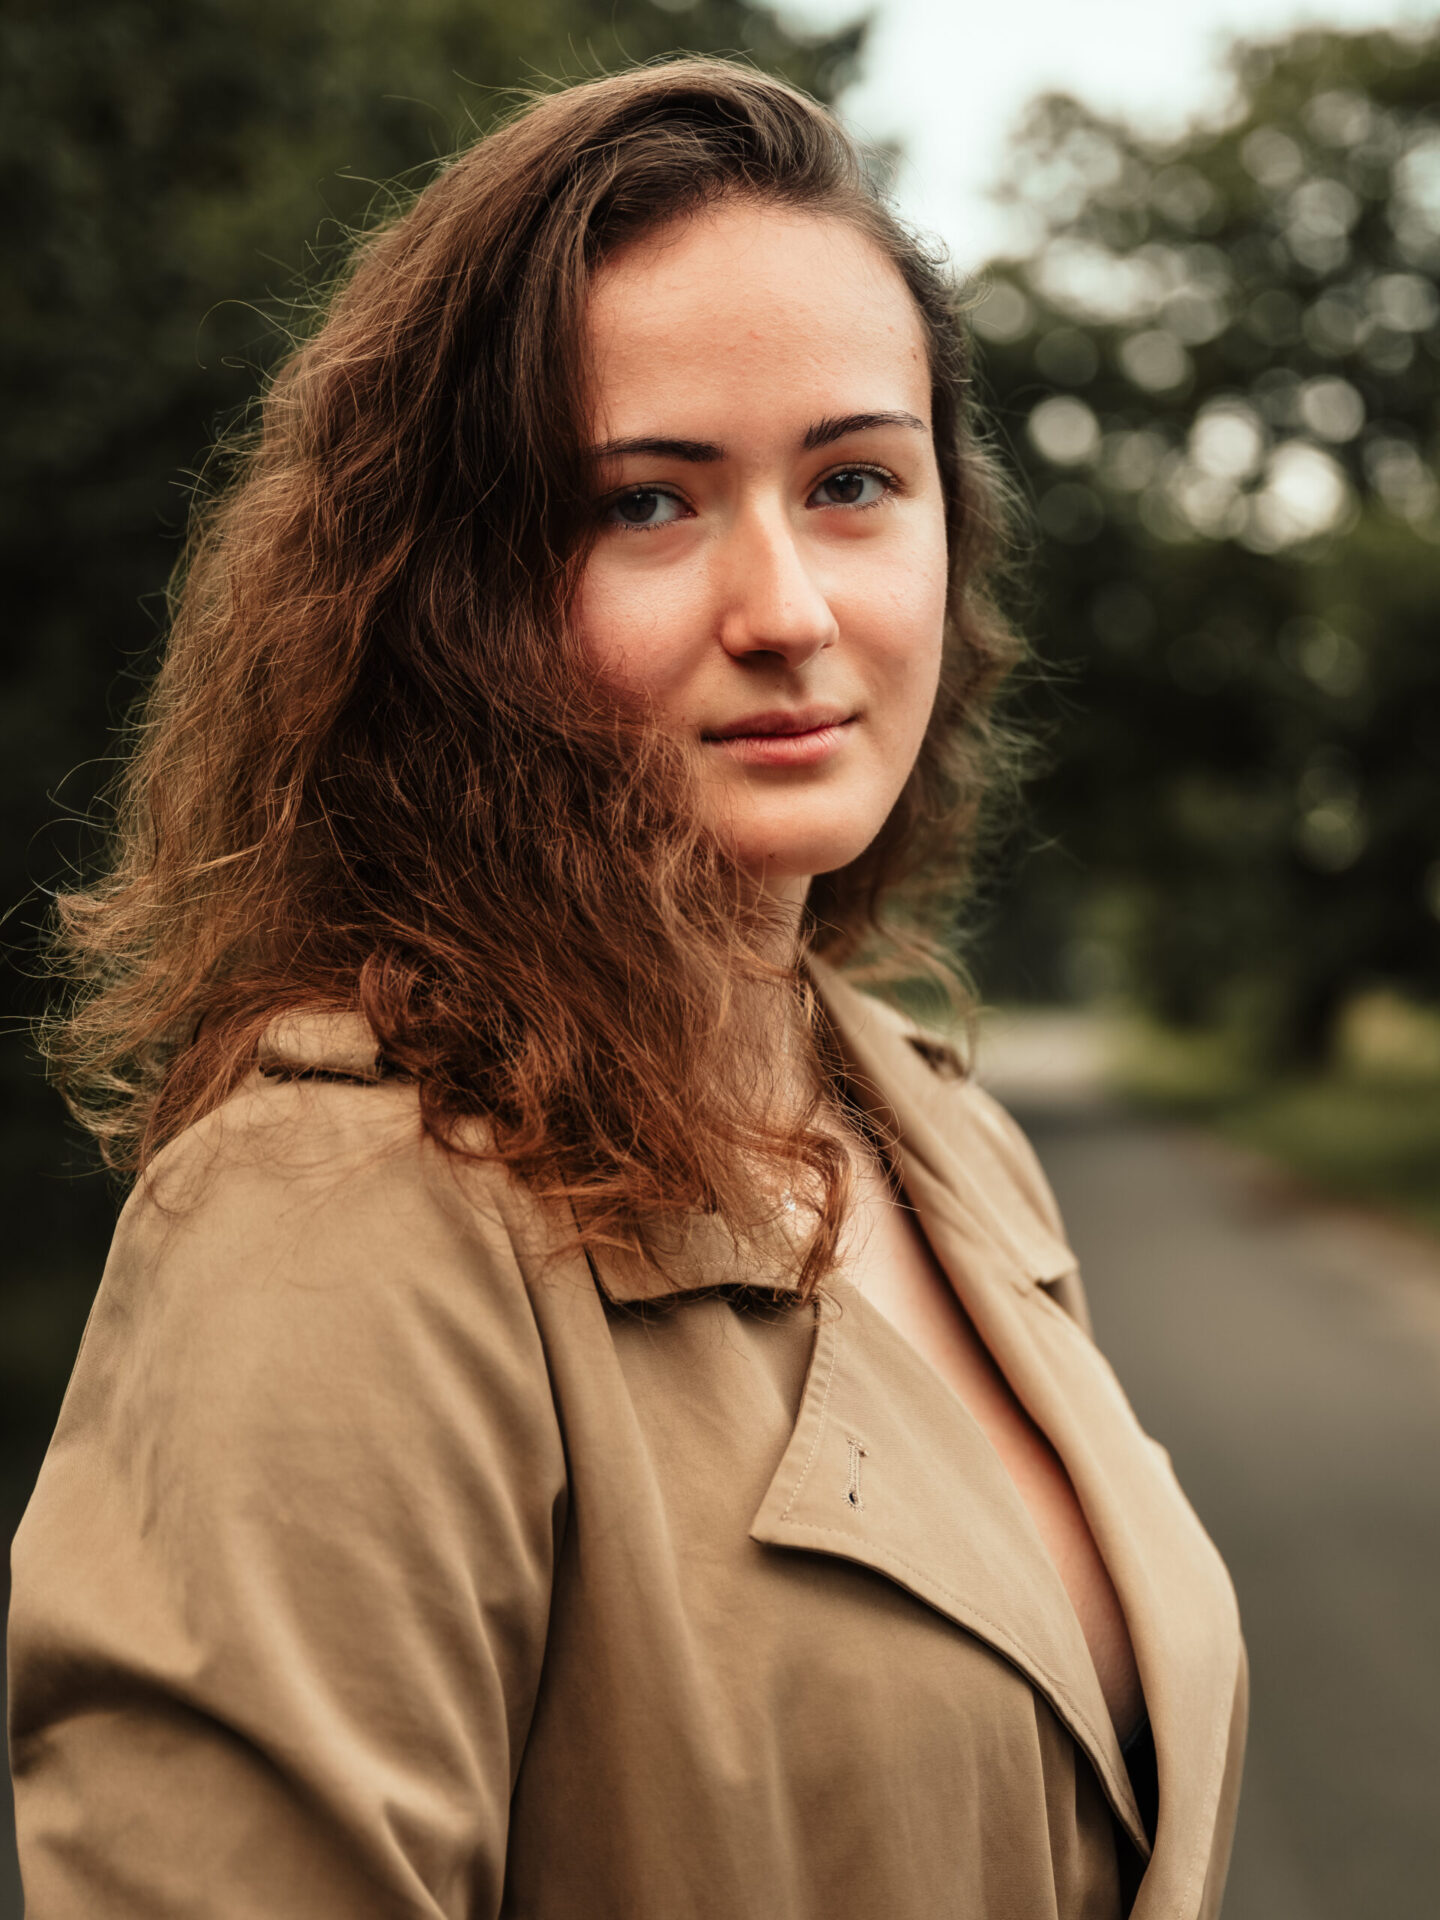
[280, 1597]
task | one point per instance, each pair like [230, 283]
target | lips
[784, 740]
[780, 722]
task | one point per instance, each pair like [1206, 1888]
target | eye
[852, 487]
[644, 507]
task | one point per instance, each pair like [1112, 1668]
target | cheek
[602, 619]
[907, 622]
[634, 627]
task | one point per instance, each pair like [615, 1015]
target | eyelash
[890, 481]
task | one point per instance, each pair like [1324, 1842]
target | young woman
[588, 1414]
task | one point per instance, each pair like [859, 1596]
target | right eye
[642, 508]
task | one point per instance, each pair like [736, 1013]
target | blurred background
[1203, 245]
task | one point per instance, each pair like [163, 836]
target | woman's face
[770, 569]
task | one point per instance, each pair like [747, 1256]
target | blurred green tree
[176, 173]
[1216, 367]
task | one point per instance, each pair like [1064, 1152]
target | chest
[833, 1730]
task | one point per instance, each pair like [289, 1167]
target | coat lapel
[886, 1468]
[1002, 1259]
[940, 1516]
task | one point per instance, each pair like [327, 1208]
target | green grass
[1367, 1129]
[1360, 1139]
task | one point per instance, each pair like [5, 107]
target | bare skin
[770, 572]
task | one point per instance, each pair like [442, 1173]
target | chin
[801, 857]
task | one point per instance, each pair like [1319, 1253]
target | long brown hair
[373, 772]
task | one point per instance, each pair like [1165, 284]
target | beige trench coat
[382, 1566]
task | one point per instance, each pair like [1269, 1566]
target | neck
[780, 906]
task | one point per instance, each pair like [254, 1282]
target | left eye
[852, 487]
[644, 507]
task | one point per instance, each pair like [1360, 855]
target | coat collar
[322, 1044]
[947, 1148]
[948, 1131]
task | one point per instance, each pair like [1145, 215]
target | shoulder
[308, 1249]
[310, 1466]
[970, 1110]
[318, 1135]
[337, 1166]
[977, 1145]
[1011, 1146]
[997, 1151]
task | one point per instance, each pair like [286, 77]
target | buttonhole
[853, 1495]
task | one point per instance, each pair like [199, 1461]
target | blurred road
[1288, 1355]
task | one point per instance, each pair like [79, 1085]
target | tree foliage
[1217, 369]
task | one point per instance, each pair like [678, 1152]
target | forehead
[749, 301]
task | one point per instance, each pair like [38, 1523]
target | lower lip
[784, 749]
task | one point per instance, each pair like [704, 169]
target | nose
[771, 603]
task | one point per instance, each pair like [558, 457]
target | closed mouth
[782, 724]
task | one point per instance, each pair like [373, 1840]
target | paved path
[1289, 1357]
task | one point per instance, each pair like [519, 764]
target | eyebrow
[703, 452]
[838, 427]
